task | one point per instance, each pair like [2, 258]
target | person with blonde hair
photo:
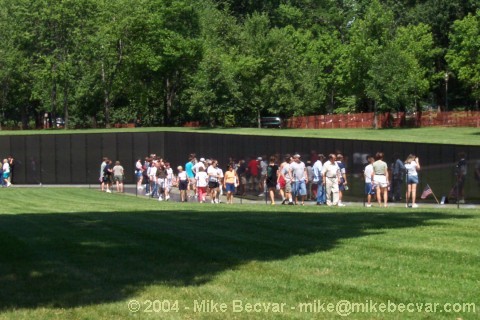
[412, 164]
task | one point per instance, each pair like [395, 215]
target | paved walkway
[248, 199]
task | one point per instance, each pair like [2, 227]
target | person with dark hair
[272, 179]
[242, 176]
[342, 181]
[102, 173]
[317, 179]
[213, 182]
[192, 185]
[285, 181]
[202, 181]
[107, 175]
[11, 162]
[139, 173]
[169, 179]
[380, 179]
[369, 187]
[398, 172]
[161, 180]
[461, 175]
[229, 183]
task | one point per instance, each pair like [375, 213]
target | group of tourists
[321, 179]
[110, 173]
[201, 179]
[380, 181]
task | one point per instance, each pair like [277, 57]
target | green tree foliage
[463, 56]
[228, 62]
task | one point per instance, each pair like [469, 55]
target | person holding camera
[412, 164]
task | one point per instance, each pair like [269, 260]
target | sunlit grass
[83, 254]
[438, 135]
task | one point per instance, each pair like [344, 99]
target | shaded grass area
[436, 135]
[83, 254]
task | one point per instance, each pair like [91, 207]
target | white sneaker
[414, 205]
[341, 205]
[213, 201]
[216, 200]
[109, 191]
[148, 193]
[8, 184]
[261, 194]
[369, 205]
[140, 188]
[167, 197]
[160, 198]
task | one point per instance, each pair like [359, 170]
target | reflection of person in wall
[34, 174]
[12, 163]
[461, 174]
[398, 173]
[477, 172]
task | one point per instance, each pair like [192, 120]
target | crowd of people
[290, 179]
[287, 179]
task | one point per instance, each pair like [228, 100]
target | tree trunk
[106, 98]
[65, 107]
[53, 98]
[170, 93]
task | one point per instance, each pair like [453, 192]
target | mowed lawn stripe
[94, 252]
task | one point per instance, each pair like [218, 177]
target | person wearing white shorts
[380, 179]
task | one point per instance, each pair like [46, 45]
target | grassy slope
[81, 254]
[462, 136]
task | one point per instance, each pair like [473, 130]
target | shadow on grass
[70, 260]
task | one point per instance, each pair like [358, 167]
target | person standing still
[300, 179]
[330, 175]
[369, 187]
[118, 176]
[412, 164]
[317, 179]
[398, 172]
[380, 179]
[342, 183]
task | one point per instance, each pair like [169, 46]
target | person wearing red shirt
[253, 173]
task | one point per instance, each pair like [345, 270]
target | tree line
[228, 62]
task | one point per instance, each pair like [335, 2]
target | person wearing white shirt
[6, 172]
[213, 181]
[202, 181]
[317, 179]
[330, 174]
[412, 164]
[367, 173]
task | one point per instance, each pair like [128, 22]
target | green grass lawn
[82, 254]
[437, 135]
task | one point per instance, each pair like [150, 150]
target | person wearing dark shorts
[182, 183]
[272, 179]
